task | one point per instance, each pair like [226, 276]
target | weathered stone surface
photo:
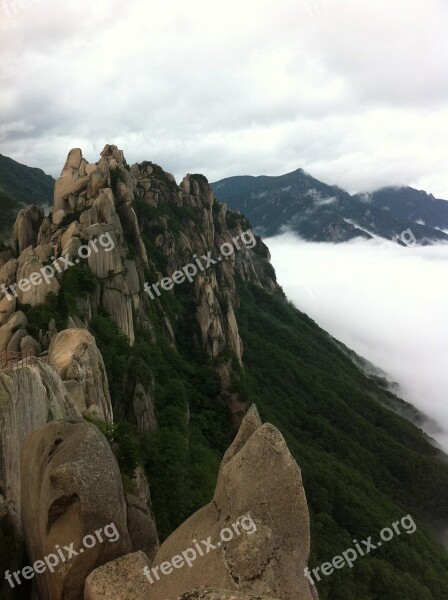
[58, 216]
[28, 398]
[120, 579]
[7, 307]
[71, 489]
[141, 527]
[140, 520]
[209, 314]
[97, 180]
[14, 344]
[70, 182]
[16, 321]
[74, 229]
[11, 549]
[259, 478]
[26, 228]
[29, 346]
[5, 256]
[144, 410]
[8, 272]
[118, 304]
[204, 593]
[74, 355]
[27, 265]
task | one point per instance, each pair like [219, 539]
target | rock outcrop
[75, 357]
[29, 397]
[120, 579]
[71, 488]
[26, 228]
[140, 520]
[204, 593]
[257, 522]
[67, 484]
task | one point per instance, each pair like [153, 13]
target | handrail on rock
[16, 360]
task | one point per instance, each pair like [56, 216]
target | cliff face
[115, 234]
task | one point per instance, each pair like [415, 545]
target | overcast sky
[353, 91]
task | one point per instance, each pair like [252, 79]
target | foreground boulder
[204, 593]
[71, 488]
[260, 491]
[258, 526]
[120, 579]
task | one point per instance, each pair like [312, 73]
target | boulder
[117, 303]
[204, 593]
[11, 550]
[29, 397]
[74, 355]
[17, 337]
[29, 346]
[7, 307]
[26, 228]
[140, 520]
[8, 272]
[258, 522]
[28, 264]
[144, 410]
[16, 321]
[71, 181]
[120, 579]
[71, 496]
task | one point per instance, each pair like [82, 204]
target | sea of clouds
[387, 302]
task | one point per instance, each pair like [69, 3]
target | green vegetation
[25, 184]
[9, 207]
[182, 458]
[76, 282]
[363, 466]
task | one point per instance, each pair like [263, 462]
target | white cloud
[255, 87]
[388, 303]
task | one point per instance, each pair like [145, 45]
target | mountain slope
[414, 205]
[184, 366]
[25, 184]
[9, 207]
[363, 466]
[314, 210]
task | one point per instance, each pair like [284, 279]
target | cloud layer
[388, 303]
[353, 92]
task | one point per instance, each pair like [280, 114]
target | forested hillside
[183, 367]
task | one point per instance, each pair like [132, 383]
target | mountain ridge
[178, 372]
[320, 212]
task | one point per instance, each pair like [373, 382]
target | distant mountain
[20, 185]
[411, 204]
[319, 212]
[9, 207]
[25, 184]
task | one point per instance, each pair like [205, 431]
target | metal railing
[16, 360]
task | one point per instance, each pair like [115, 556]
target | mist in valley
[389, 303]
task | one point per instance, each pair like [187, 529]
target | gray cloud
[353, 92]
